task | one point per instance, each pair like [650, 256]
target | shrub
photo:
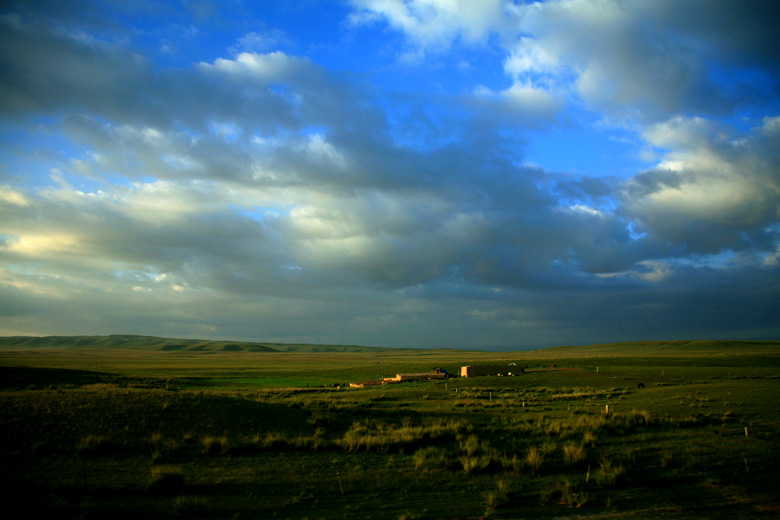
[189, 505]
[511, 463]
[165, 480]
[574, 453]
[431, 457]
[470, 446]
[214, 445]
[162, 447]
[548, 448]
[566, 492]
[608, 473]
[486, 462]
[495, 499]
[92, 445]
[383, 437]
[666, 458]
[534, 458]
[470, 463]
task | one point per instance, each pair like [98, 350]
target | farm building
[436, 373]
[489, 370]
[420, 376]
[364, 384]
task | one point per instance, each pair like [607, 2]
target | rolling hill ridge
[154, 343]
[137, 342]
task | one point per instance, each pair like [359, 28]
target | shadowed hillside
[153, 343]
[117, 341]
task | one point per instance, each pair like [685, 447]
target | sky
[405, 173]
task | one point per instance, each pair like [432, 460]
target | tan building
[489, 370]
[436, 373]
[420, 376]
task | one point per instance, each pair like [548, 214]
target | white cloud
[274, 66]
[436, 23]
[43, 244]
[530, 56]
[14, 197]
[711, 189]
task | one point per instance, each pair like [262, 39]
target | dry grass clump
[214, 445]
[566, 492]
[589, 439]
[574, 453]
[608, 474]
[92, 445]
[190, 505]
[534, 458]
[470, 446]
[667, 456]
[432, 457]
[477, 456]
[383, 437]
[499, 497]
[588, 426]
[162, 447]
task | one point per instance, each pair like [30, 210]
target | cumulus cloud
[640, 60]
[711, 190]
[650, 60]
[435, 23]
[246, 193]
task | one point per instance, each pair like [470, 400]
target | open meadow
[152, 428]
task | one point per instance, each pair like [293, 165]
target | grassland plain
[100, 429]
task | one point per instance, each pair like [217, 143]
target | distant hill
[153, 343]
[119, 341]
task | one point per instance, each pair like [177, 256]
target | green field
[139, 427]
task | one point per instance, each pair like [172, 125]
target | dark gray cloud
[258, 195]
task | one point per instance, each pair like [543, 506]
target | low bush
[214, 445]
[566, 492]
[432, 458]
[165, 480]
[534, 458]
[608, 474]
[93, 446]
[190, 505]
[574, 453]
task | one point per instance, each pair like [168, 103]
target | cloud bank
[255, 191]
